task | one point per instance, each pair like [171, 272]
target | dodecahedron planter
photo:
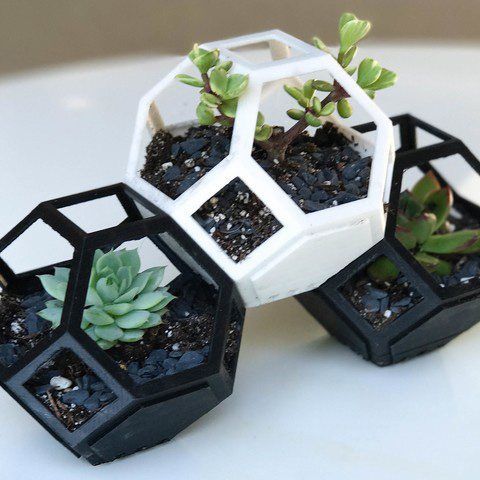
[282, 265]
[427, 313]
[138, 408]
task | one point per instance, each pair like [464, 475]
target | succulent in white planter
[280, 206]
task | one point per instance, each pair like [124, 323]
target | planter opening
[266, 51]
[174, 163]
[380, 301]
[237, 220]
[21, 326]
[97, 214]
[326, 165]
[449, 248]
[50, 248]
[69, 389]
[169, 324]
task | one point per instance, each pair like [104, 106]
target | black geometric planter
[134, 415]
[436, 312]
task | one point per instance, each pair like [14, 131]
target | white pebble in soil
[60, 383]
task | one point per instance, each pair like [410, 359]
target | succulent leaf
[382, 270]
[455, 242]
[423, 226]
[406, 237]
[433, 264]
[55, 287]
[426, 186]
[440, 204]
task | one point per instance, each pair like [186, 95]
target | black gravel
[380, 303]
[320, 172]
[174, 164]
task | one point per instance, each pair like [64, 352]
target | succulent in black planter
[420, 286]
[106, 354]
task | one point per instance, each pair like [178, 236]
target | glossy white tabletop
[303, 406]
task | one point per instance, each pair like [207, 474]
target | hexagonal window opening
[69, 389]
[28, 316]
[177, 151]
[438, 224]
[96, 214]
[322, 167]
[151, 320]
[380, 292]
[266, 51]
[237, 220]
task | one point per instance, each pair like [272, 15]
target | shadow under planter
[418, 311]
[103, 404]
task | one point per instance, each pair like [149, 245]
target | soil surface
[380, 303]
[237, 220]
[174, 164]
[20, 326]
[182, 342]
[69, 389]
[319, 172]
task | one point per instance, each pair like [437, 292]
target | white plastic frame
[309, 248]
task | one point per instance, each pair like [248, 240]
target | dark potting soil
[174, 164]
[69, 389]
[20, 326]
[320, 172]
[237, 220]
[180, 343]
[380, 303]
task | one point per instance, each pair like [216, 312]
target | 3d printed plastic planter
[283, 264]
[426, 312]
[133, 406]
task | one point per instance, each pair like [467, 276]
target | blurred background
[35, 34]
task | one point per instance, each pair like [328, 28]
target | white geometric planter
[309, 248]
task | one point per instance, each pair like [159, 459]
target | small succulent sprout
[219, 90]
[370, 77]
[370, 74]
[121, 302]
[423, 229]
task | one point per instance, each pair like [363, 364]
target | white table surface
[303, 406]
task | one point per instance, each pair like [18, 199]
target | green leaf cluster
[121, 302]
[312, 108]
[423, 228]
[219, 89]
[371, 76]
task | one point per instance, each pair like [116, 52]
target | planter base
[146, 405]
[428, 312]
[432, 333]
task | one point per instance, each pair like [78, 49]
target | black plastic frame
[150, 413]
[443, 313]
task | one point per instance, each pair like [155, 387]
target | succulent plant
[371, 77]
[423, 228]
[121, 302]
[219, 90]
